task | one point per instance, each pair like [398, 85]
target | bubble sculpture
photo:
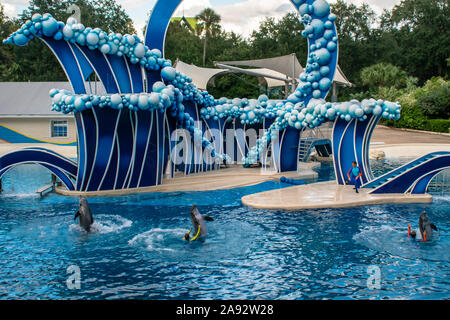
[124, 136]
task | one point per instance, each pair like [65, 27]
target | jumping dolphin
[426, 227]
[84, 214]
[198, 221]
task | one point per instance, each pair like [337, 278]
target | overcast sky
[241, 16]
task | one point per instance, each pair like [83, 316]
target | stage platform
[325, 195]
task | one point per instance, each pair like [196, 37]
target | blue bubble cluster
[317, 79]
[188, 89]
[113, 44]
[249, 111]
[95, 39]
[162, 98]
[315, 113]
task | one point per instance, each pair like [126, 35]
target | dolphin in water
[84, 214]
[426, 227]
[198, 221]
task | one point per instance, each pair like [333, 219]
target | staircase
[318, 138]
[304, 149]
[306, 146]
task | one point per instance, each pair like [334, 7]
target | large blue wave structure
[124, 136]
[63, 168]
[413, 177]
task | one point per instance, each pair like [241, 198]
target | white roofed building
[26, 116]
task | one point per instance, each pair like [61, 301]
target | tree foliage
[434, 98]
[8, 66]
[383, 75]
[208, 27]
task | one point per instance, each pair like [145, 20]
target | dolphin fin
[208, 218]
[77, 215]
[433, 226]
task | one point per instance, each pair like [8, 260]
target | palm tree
[207, 27]
[383, 75]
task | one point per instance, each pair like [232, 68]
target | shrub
[434, 98]
[411, 117]
[437, 125]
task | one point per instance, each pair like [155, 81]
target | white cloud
[14, 7]
[377, 5]
[16, 2]
[190, 8]
[133, 4]
[10, 10]
[244, 16]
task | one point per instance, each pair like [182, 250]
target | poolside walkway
[324, 195]
[226, 178]
[390, 135]
[395, 143]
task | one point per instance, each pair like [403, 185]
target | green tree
[434, 98]
[274, 38]
[107, 15]
[354, 25]
[182, 44]
[208, 27]
[9, 69]
[422, 30]
[383, 75]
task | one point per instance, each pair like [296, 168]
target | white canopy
[273, 70]
[286, 65]
[340, 78]
[271, 83]
[201, 77]
[289, 66]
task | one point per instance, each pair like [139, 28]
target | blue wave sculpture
[124, 136]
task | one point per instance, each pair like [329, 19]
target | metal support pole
[334, 96]
[286, 88]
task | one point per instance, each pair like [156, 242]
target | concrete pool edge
[325, 195]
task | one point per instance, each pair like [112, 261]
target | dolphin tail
[77, 215]
[433, 226]
[208, 218]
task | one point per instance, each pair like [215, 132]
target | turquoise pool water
[136, 250]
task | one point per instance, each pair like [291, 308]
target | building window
[59, 128]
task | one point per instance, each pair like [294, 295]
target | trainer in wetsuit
[354, 176]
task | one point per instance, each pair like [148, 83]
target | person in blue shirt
[354, 176]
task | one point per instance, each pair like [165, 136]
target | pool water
[135, 250]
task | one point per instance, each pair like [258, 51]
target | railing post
[53, 181]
